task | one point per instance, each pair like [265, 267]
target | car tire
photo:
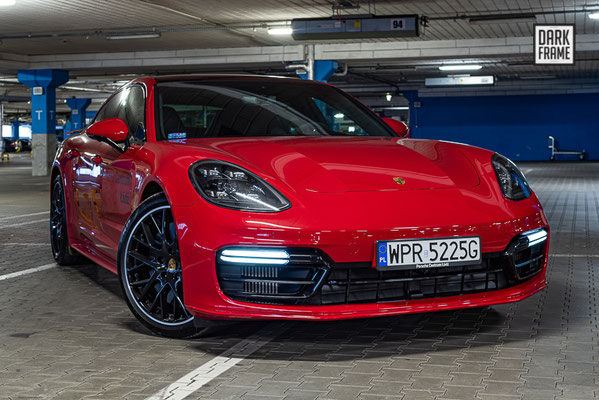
[149, 269]
[63, 253]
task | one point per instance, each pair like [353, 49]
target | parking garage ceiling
[185, 34]
[54, 26]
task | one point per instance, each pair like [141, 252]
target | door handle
[97, 159]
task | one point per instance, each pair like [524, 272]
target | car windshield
[254, 108]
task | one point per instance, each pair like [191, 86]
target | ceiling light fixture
[280, 31]
[388, 96]
[7, 3]
[502, 18]
[153, 35]
[460, 67]
[399, 108]
[594, 15]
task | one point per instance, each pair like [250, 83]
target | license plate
[427, 253]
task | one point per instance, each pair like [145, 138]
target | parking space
[66, 331]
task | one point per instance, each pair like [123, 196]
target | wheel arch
[151, 187]
[55, 172]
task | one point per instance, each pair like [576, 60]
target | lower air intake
[295, 276]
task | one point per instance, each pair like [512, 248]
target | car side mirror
[114, 129]
[398, 127]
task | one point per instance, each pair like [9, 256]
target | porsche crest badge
[399, 180]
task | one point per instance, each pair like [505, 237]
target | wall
[515, 126]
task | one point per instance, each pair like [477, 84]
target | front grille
[310, 277]
[525, 260]
[352, 283]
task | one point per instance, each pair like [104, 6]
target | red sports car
[220, 197]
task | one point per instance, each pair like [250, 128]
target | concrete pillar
[14, 125]
[78, 107]
[322, 70]
[43, 84]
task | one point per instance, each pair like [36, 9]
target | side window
[112, 107]
[133, 112]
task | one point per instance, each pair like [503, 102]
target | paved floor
[66, 332]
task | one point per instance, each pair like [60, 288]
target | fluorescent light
[400, 108]
[7, 3]
[339, 115]
[461, 67]
[532, 77]
[594, 15]
[280, 31]
[133, 36]
[502, 18]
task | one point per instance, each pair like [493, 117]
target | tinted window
[112, 108]
[242, 108]
[129, 105]
[132, 111]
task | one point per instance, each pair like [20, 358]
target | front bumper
[204, 230]
[235, 310]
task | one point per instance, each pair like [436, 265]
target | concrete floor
[66, 332]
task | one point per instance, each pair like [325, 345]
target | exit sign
[554, 44]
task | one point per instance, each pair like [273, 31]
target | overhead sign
[554, 44]
[460, 81]
[356, 27]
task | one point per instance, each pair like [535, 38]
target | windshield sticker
[178, 135]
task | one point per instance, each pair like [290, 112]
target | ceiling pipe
[344, 72]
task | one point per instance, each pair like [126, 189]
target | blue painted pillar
[43, 84]
[412, 97]
[90, 114]
[68, 127]
[14, 125]
[323, 70]
[78, 107]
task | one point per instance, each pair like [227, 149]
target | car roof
[196, 77]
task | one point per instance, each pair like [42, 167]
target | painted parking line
[24, 215]
[188, 384]
[574, 255]
[13, 168]
[25, 244]
[27, 271]
[16, 225]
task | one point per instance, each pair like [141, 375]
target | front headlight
[511, 180]
[230, 186]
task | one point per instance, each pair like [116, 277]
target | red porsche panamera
[218, 197]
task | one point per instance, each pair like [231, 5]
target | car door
[89, 155]
[85, 153]
[117, 173]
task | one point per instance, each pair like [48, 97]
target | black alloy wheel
[63, 253]
[150, 270]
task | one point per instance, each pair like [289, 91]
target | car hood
[350, 164]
